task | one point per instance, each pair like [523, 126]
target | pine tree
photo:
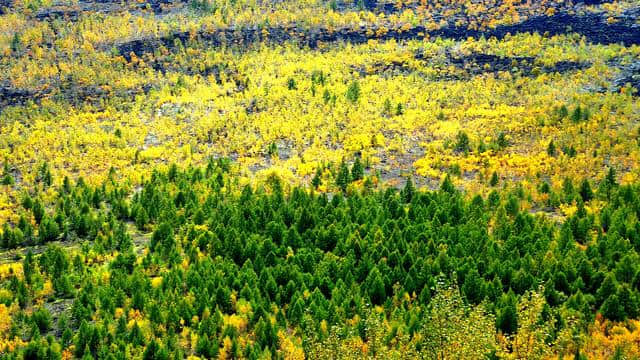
[62, 287]
[151, 351]
[44, 174]
[628, 301]
[353, 92]
[326, 96]
[447, 185]
[66, 185]
[16, 43]
[38, 211]
[266, 335]
[576, 115]
[635, 283]
[67, 335]
[482, 147]
[585, 190]
[473, 287]
[28, 267]
[142, 218]
[296, 311]
[135, 335]
[386, 110]
[611, 177]
[512, 205]
[357, 171]
[399, 109]
[344, 177]
[48, 230]
[551, 149]
[291, 84]
[612, 309]
[42, 319]
[376, 288]
[409, 190]
[608, 287]
[494, 179]
[502, 141]
[317, 178]
[567, 188]
[507, 320]
[7, 178]
[563, 112]
[462, 142]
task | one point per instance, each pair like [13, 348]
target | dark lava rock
[67, 14]
[593, 2]
[5, 6]
[75, 95]
[593, 26]
[478, 63]
[12, 96]
[629, 74]
[481, 63]
[103, 7]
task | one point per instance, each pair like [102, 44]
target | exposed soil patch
[396, 167]
[140, 239]
[9, 256]
[57, 309]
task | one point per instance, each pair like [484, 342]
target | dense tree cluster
[275, 258]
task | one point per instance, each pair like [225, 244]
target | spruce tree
[447, 185]
[357, 171]
[38, 210]
[551, 149]
[16, 43]
[353, 92]
[507, 320]
[399, 109]
[7, 178]
[376, 288]
[612, 309]
[409, 190]
[502, 141]
[494, 179]
[386, 110]
[462, 142]
[28, 267]
[344, 177]
[142, 218]
[608, 287]
[473, 287]
[611, 177]
[317, 178]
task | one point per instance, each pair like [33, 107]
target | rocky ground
[593, 27]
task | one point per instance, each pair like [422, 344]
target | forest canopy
[239, 271]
